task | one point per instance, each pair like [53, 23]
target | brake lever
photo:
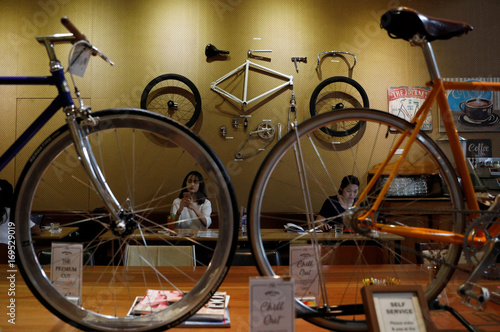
[80, 36]
[95, 51]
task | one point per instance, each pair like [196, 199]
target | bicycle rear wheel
[429, 196]
[337, 93]
[145, 176]
[174, 96]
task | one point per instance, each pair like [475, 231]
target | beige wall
[149, 38]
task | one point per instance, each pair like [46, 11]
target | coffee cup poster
[404, 102]
[474, 111]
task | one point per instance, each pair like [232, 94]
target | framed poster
[404, 102]
[473, 111]
[396, 308]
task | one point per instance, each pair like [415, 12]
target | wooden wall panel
[149, 38]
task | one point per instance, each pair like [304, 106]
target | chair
[352, 255]
[160, 255]
[435, 249]
[244, 257]
[45, 255]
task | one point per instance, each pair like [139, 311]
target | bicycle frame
[438, 93]
[246, 66]
[63, 99]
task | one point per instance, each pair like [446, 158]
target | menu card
[272, 304]
[66, 269]
[304, 269]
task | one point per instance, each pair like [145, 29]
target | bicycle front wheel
[145, 175]
[174, 96]
[337, 93]
[303, 171]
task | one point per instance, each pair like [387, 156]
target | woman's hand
[322, 224]
[188, 202]
[326, 227]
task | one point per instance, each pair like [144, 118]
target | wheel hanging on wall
[174, 96]
[335, 93]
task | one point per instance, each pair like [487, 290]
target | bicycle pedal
[470, 298]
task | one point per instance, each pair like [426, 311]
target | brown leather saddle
[404, 23]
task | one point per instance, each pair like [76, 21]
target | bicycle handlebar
[335, 53]
[80, 36]
[73, 29]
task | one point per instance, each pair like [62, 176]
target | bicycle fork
[310, 215]
[89, 163]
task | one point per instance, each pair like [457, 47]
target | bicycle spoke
[362, 256]
[145, 177]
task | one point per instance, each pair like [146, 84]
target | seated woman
[192, 208]
[334, 206]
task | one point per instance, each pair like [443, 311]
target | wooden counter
[32, 316]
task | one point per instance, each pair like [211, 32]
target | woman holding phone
[192, 209]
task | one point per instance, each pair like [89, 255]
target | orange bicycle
[414, 208]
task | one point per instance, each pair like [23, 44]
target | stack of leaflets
[214, 313]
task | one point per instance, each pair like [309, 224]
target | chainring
[472, 254]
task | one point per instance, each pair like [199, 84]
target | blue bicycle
[113, 175]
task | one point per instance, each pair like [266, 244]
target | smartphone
[186, 194]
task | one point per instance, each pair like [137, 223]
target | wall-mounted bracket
[297, 59]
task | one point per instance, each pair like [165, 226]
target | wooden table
[47, 235]
[32, 316]
[268, 234]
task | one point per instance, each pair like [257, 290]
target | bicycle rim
[174, 96]
[145, 176]
[350, 262]
[337, 93]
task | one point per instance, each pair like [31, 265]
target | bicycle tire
[325, 167]
[174, 96]
[335, 93]
[53, 180]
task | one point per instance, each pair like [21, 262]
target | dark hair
[6, 193]
[347, 180]
[201, 193]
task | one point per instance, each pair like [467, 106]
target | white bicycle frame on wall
[247, 65]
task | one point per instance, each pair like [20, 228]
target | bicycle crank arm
[260, 131]
[466, 290]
